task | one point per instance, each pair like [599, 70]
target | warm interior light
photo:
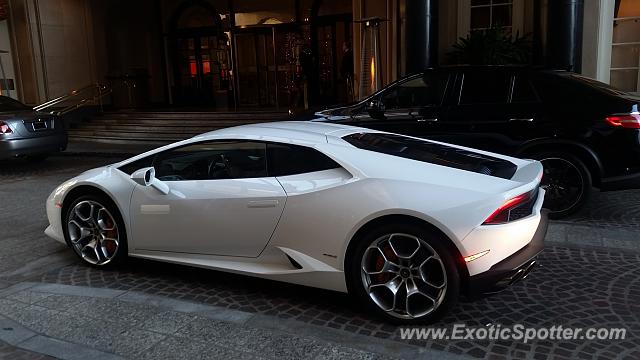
[475, 256]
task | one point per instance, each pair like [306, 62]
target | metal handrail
[98, 92]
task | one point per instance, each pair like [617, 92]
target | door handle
[427, 119]
[263, 204]
[522, 119]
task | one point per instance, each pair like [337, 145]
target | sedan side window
[212, 161]
[486, 87]
[426, 90]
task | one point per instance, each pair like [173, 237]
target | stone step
[132, 134]
[162, 127]
[190, 122]
[148, 128]
[118, 140]
[197, 115]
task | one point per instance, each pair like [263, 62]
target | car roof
[304, 131]
[514, 67]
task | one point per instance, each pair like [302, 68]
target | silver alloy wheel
[404, 276]
[93, 232]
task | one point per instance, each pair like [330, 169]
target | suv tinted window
[429, 152]
[523, 91]
[286, 159]
[485, 87]
[416, 92]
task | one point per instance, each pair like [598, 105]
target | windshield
[8, 104]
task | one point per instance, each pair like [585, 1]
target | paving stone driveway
[572, 287]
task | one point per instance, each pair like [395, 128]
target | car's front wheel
[404, 273]
[95, 231]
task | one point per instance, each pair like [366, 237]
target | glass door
[256, 70]
[202, 71]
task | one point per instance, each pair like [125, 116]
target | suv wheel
[567, 183]
[404, 274]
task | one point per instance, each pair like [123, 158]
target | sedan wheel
[405, 274]
[93, 232]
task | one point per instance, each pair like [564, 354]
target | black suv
[584, 132]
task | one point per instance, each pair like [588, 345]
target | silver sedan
[25, 132]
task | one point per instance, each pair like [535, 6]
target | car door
[479, 117]
[411, 106]
[525, 113]
[221, 201]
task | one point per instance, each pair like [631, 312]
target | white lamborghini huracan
[403, 223]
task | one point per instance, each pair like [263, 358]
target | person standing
[346, 70]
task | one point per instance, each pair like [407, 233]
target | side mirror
[375, 108]
[147, 177]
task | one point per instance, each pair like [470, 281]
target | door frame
[196, 34]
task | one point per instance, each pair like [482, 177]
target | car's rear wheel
[567, 182]
[404, 273]
[94, 229]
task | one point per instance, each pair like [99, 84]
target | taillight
[629, 121]
[4, 128]
[501, 215]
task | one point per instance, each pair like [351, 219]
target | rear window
[429, 152]
[598, 85]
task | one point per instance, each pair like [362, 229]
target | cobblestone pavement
[612, 209]
[572, 287]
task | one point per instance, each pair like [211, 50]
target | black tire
[356, 278]
[567, 182]
[119, 253]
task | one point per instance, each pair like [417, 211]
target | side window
[523, 91]
[212, 161]
[287, 159]
[485, 87]
[131, 167]
[420, 91]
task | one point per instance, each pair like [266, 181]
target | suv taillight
[629, 121]
[502, 215]
[4, 128]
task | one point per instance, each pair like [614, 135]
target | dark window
[426, 90]
[429, 152]
[207, 161]
[212, 161]
[286, 159]
[132, 167]
[485, 87]
[8, 104]
[523, 91]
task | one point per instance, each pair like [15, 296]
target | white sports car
[403, 223]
